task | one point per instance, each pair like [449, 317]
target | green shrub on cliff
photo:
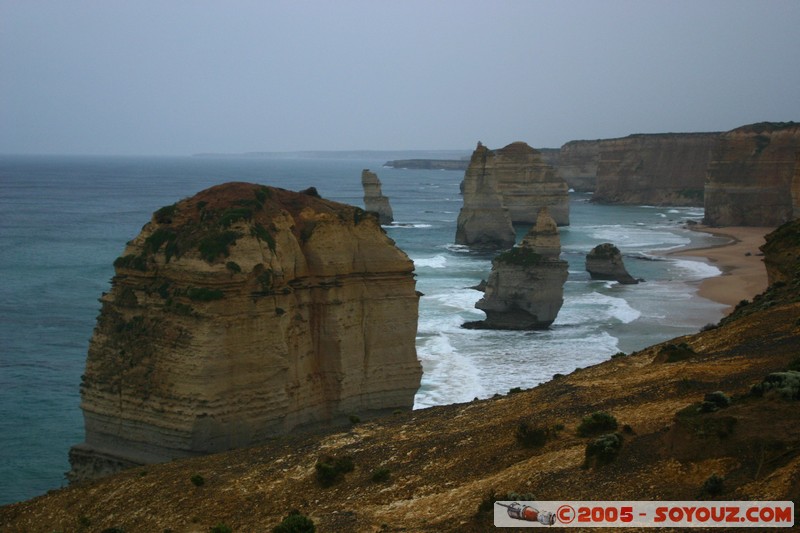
[216, 244]
[784, 384]
[520, 256]
[235, 214]
[602, 450]
[204, 294]
[131, 261]
[531, 435]
[295, 522]
[596, 423]
[330, 468]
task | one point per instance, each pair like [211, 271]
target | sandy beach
[743, 273]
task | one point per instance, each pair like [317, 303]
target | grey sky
[180, 77]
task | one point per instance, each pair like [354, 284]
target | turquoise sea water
[63, 221]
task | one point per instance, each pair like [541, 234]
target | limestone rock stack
[525, 289]
[374, 200]
[753, 177]
[604, 261]
[242, 313]
[527, 183]
[483, 221]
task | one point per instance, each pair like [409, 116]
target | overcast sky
[181, 77]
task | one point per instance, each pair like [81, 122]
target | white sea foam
[696, 270]
[460, 299]
[438, 261]
[595, 307]
[448, 376]
[405, 225]
[635, 237]
[458, 248]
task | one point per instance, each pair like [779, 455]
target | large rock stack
[483, 222]
[525, 289]
[243, 313]
[526, 184]
[374, 200]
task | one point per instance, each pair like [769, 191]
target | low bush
[330, 468]
[295, 522]
[672, 353]
[197, 480]
[530, 435]
[602, 450]
[220, 528]
[714, 401]
[596, 423]
[381, 474]
[784, 384]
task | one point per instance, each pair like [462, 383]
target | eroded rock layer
[374, 200]
[525, 289]
[753, 177]
[241, 313]
[654, 169]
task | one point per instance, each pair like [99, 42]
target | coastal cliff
[240, 314]
[525, 289]
[654, 169]
[673, 445]
[374, 200]
[577, 164]
[483, 222]
[754, 176]
[527, 183]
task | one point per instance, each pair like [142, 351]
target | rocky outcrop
[243, 313]
[526, 184]
[525, 289]
[782, 253]
[604, 261]
[754, 176]
[654, 169]
[374, 200]
[577, 164]
[483, 222]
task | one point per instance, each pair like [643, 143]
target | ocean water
[63, 221]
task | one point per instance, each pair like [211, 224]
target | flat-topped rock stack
[242, 313]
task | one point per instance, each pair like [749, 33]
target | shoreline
[740, 260]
